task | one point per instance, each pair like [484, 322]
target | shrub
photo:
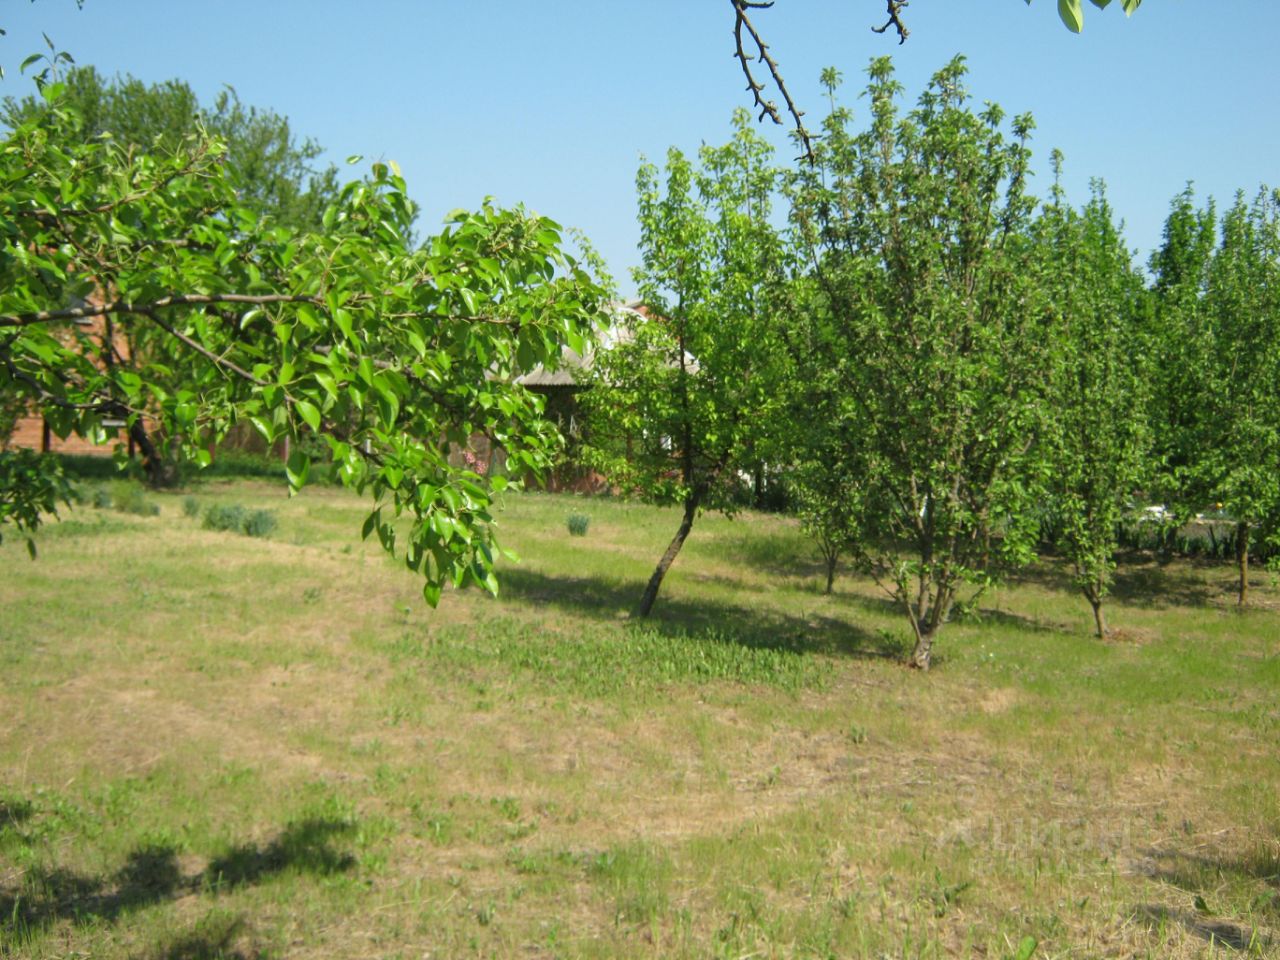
[101, 498]
[578, 524]
[235, 518]
[190, 507]
[129, 497]
[224, 516]
[259, 523]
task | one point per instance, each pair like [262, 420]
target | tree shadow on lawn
[1218, 932]
[151, 874]
[209, 941]
[1197, 873]
[603, 599]
[1157, 587]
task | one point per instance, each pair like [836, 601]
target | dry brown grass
[398, 782]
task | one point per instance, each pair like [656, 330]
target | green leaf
[297, 469]
[370, 523]
[1130, 6]
[1026, 948]
[431, 593]
[343, 319]
[1101, 4]
[1072, 14]
[308, 411]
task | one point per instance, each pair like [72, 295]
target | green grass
[221, 746]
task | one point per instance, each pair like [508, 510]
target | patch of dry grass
[217, 746]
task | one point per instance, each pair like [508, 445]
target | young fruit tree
[390, 355]
[685, 400]
[1099, 438]
[1217, 337]
[933, 335]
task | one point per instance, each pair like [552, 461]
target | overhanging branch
[767, 107]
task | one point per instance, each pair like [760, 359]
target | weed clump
[190, 507]
[234, 518]
[578, 524]
[224, 516]
[259, 523]
[128, 497]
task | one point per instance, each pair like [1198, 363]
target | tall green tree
[273, 171]
[1218, 310]
[935, 335]
[1180, 275]
[389, 354]
[686, 399]
[1100, 439]
[1238, 428]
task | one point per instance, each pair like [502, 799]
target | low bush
[235, 518]
[224, 516]
[129, 497]
[259, 523]
[578, 524]
[190, 507]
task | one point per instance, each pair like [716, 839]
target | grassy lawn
[219, 746]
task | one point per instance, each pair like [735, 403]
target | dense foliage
[949, 372]
[138, 287]
[687, 401]
[272, 171]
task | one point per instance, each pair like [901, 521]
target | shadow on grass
[1153, 586]
[13, 811]
[151, 874]
[214, 938]
[1197, 873]
[1216, 932]
[604, 599]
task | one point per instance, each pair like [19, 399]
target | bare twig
[767, 107]
[894, 9]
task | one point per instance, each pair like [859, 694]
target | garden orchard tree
[687, 399]
[1217, 336]
[936, 333]
[1099, 440]
[271, 170]
[1237, 342]
[390, 355]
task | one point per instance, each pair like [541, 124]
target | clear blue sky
[553, 103]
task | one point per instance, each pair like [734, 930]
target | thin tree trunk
[668, 558]
[154, 465]
[1099, 617]
[831, 570]
[922, 655]
[1242, 561]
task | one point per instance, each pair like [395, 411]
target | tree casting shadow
[603, 599]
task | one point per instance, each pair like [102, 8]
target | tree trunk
[831, 570]
[1242, 561]
[922, 655]
[668, 558]
[1099, 618]
[157, 470]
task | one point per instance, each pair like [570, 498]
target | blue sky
[552, 104]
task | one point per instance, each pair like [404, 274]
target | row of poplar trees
[943, 365]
